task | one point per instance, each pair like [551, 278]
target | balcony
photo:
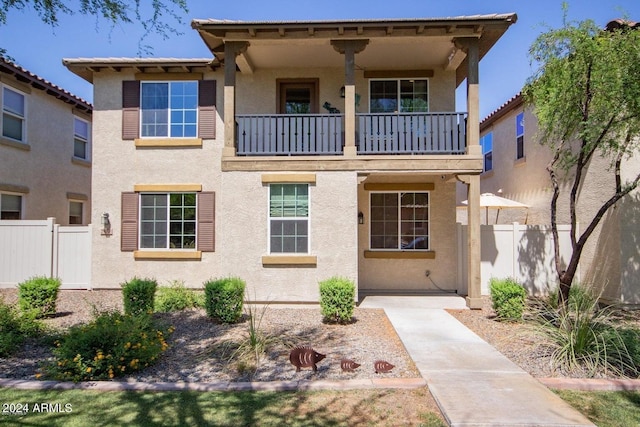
[376, 134]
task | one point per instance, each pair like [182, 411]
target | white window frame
[398, 94]
[169, 109]
[21, 216]
[167, 247]
[485, 153]
[306, 218]
[82, 204]
[86, 139]
[23, 118]
[520, 117]
[399, 220]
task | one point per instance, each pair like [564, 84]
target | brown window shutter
[207, 109]
[130, 109]
[207, 221]
[129, 226]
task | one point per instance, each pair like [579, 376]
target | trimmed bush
[10, 336]
[337, 300]
[139, 295]
[508, 298]
[37, 296]
[112, 345]
[177, 298]
[223, 299]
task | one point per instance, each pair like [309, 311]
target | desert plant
[507, 298]
[38, 295]
[583, 336]
[138, 295]
[223, 299]
[177, 297]
[111, 345]
[337, 299]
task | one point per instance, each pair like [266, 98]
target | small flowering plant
[112, 345]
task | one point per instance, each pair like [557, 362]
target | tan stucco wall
[409, 274]
[610, 258]
[46, 169]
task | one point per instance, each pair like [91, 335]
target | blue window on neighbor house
[80, 139]
[520, 136]
[486, 142]
[289, 218]
[169, 109]
[13, 115]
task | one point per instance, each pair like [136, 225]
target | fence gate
[44, 248]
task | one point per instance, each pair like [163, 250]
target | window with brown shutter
[130, 109]
[129, 231]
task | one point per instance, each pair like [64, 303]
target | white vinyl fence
[44, 248]
[524, 252]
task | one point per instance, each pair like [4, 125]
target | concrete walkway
[473, 384]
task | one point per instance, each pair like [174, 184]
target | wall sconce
[360, 218]
[342, 92]
[106, 225]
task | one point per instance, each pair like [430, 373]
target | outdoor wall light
[106, 225]
[342, 92]
[360, 218]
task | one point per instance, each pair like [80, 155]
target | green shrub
[508, 298]
[223, 299]
[337, 299]
[10, 336]
[176, 298]
[139, 296]
[111, 345]
[38, 295]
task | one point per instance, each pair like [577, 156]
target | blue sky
[40, 48]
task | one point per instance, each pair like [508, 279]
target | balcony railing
[322, 134]
[412, 133]
[287, 135]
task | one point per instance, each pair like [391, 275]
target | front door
[297, 96]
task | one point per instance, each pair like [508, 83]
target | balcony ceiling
[392, 44]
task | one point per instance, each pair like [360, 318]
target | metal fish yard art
[305, 357]
[382, 366]
[348, 365]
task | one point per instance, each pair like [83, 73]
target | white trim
[23, 118]
[169, 83]
[307, 218]
[168, 221]
[87, 141]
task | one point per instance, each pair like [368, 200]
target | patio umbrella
[490, 200]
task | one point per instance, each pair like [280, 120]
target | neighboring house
[45, 149]
[515, 168]
[303, 150]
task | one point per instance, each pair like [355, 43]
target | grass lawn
[606, 408]
[320, 408]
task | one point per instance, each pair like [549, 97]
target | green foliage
[139, 295]
[38, 295]
[337, 300]
[112, 345]
[585, 337]
[223, 299]
[177, 298]
[10, 335]
[605, 408]
[508, 298]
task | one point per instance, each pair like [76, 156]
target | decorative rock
[348, 365]
[382, 366]
[305, 357]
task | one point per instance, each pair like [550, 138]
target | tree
[586, 97]
[150, 17]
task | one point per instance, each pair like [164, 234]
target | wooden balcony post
[349, 48]
[231, 50]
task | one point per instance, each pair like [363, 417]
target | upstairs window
[486, 141]
[520, 136]
[13, 115]
[399, 221]
[399, 96]
[10, 206]
[169, 109]
[289, 218]
[80, 139]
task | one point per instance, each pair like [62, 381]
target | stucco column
[349, 48]
[473, 97]
[231, 50]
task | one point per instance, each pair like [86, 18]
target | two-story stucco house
[45, 149]
[301, 151]
[515, 166]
